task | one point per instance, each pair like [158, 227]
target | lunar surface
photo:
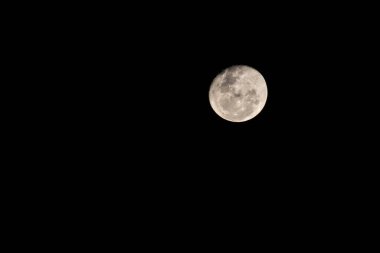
[238, 93]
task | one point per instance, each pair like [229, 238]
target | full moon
[238, 93]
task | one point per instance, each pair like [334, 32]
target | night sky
[121, 111]
[137, 94]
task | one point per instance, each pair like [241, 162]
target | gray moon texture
[238, 93]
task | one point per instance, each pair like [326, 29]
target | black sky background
[122, 110]
[131, 91]
[152, 80]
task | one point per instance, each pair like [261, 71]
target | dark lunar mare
[229, 79]
[224, 88]
[252, 92]
[237, 94]
[253, 97]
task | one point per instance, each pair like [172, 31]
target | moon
[238, 93]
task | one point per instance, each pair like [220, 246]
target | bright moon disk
[238, 93]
